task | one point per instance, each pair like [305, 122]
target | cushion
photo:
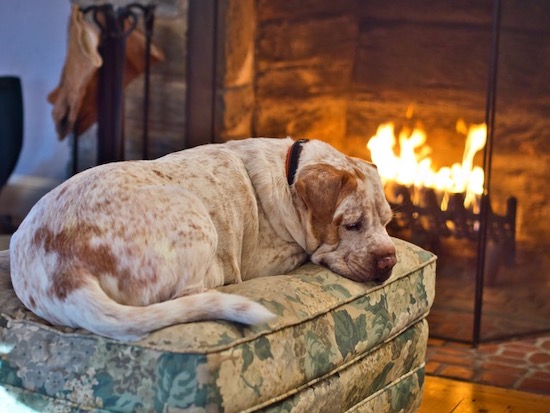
[340, 343]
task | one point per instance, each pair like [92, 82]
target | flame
[413, 165]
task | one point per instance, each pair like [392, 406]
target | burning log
[417, 209]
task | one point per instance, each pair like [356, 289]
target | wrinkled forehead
[374, 199]
[368, 173]
[367, 168]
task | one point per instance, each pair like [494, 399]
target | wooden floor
[446, 396]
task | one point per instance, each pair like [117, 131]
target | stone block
[234, 117]
[304, 80]
[303, 9]
[329, 39]
[237, 33]
[465, 12]
[320, 117]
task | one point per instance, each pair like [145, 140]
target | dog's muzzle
[384, 260]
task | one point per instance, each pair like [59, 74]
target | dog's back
[123, 240]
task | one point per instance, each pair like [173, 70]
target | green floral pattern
[336, 345]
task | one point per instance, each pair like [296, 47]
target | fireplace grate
[418, 213]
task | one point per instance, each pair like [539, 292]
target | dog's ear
[361, 163]
[321, 188]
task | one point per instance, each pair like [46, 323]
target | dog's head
[345, 214]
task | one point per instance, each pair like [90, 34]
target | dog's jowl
[127, 248]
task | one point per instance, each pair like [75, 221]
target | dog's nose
[385, 260]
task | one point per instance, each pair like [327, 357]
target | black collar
[292, 158]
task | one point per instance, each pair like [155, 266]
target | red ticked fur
[322, 188]
[127, 248]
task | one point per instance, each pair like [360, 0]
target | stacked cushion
[336, 345]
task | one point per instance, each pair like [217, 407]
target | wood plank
[444, 395]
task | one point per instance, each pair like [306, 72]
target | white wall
[33, 36]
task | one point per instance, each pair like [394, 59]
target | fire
[413, 165]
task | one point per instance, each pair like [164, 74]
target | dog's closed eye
[355, 226]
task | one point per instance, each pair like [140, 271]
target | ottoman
[336, 345]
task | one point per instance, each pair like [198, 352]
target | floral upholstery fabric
[336, 345]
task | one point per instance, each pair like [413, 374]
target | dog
[126, 248]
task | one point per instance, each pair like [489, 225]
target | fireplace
[340, 71]
[344, 72]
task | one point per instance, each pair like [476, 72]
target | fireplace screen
[450, 100]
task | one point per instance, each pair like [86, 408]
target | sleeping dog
[126, 248]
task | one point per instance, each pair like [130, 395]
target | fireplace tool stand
[115, 24]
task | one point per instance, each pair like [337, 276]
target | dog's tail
[98, 313]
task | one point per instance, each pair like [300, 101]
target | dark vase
[11, 125]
